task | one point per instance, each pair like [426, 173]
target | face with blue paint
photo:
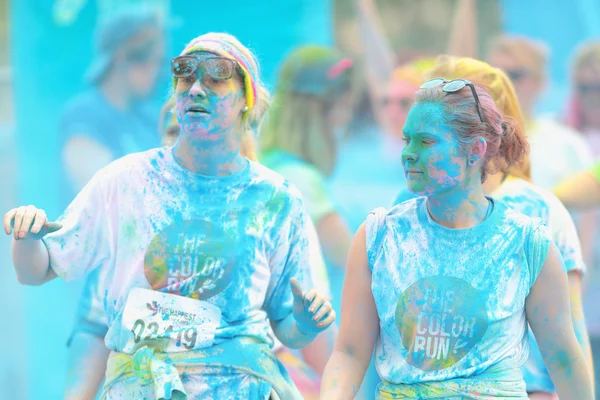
[210, 110]
[433, 160]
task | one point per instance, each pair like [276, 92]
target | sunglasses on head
[454, 86]
[218, 68]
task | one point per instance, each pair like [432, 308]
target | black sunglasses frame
[450, 89]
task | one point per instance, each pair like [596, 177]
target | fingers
[39, 221]
[327, 320]
[296, 288]
[8, 218]
[28, 217]
[316, 302]
[24, 220]
[323, 311]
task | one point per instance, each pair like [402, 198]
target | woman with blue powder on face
[512, 185]
[204, 249]
[446, 284]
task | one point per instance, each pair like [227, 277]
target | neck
[460, 208]
[211, 159]
[493, 182]
[115, 92]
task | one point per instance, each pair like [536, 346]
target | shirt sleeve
[536, 249]
[313, 187]
[91, 318]
[290, 258]
[565, 237]
[83, 243]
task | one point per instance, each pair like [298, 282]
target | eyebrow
[423, 133]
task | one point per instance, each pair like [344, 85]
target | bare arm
[83, 157]
[335, 238]
[87, 366]
[463, 34]
[358, 330]
[379, 57]
[579, 319]
[319, 351]
[30, 255]
[550, 319]
[580, 191]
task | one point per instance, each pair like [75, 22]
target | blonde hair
[412, 71]
[297, 118]
[296, 123]
[587, 56]
[501, 90]
[530, 52]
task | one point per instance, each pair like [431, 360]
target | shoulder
[127, 166]
[280, 186]
[559, 131]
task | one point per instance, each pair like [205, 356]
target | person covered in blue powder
[446, 284]
[512, 185]
[111, 119]
[203, 249]
[115, 116]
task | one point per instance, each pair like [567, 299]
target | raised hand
[28, 222]
[313, 312]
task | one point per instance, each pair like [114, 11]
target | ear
[478, 150]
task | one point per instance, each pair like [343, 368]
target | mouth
[196, 109]
[413, 172]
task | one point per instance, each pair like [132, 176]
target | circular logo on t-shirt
[440, 319]
[191, 258]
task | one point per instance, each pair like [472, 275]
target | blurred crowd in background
[83, 82]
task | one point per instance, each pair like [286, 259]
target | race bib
[168, 322]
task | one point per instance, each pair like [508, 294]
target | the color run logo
[440, 319]
[191, 258]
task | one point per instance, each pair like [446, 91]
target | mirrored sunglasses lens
[183, 67]
[432, 83]
[454, 86]
[219, 68]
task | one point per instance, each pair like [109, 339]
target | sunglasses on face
[454, 86]
[516, 75]
[218, 68]
[588, 88]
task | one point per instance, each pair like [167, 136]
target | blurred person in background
[556, 150]
[190, 297]
[581, 190]
[301, 134]
[113, 118]
[583, 108]
[582, 113]
[512, 185]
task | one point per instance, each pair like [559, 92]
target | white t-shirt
[556, 152]
[230, 243]
[451, 302]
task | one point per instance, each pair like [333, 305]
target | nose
[197, 89]
[408, 155]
